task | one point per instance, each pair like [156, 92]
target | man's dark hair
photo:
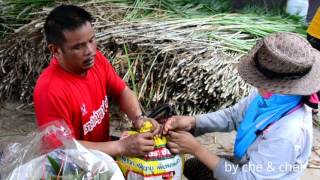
[64, 17]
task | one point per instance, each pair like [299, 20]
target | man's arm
[129, 104]
[134, 145]
[111, 147]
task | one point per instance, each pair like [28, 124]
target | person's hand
[183, 142]
[182, 123]
[137, 144]
[156, 127]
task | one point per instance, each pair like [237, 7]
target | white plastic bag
[53, 153]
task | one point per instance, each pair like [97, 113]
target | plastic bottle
[298, 7]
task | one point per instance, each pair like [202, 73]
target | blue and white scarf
[260, 113]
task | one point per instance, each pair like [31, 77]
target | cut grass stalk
[130, 69]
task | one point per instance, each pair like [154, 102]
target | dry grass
[188, 62]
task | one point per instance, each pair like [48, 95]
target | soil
[16, 122]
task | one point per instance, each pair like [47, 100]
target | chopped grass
[15, 13]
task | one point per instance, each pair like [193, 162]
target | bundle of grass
[189, 62]
[23, 54]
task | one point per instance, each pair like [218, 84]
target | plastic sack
[52, 153]
[159, 164]
[298, 7]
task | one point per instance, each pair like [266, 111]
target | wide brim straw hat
[283, 63]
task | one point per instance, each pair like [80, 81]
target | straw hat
[283, 63]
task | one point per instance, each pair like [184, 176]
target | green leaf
[55, 165]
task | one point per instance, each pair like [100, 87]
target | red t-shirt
[81, 102]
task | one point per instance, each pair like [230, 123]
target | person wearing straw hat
[273, 124]
[76, 86]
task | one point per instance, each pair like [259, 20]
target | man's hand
[136, 145]
[183, 142]
[182, 123]
[156, 127]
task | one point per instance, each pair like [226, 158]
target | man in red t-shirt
[76, 85]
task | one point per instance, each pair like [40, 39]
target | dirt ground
[16, 121]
